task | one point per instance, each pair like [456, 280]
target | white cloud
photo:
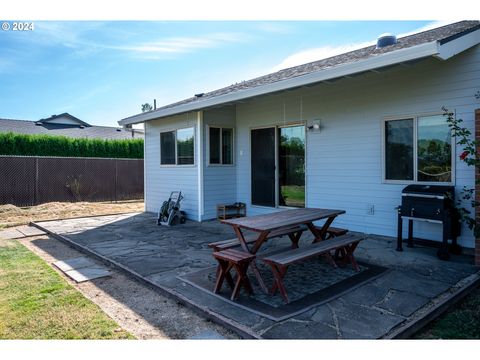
[324, 52]
[319, 53]
[175, 45]
[86, 38]
[430, 26]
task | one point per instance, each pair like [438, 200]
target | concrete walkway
[386, 305]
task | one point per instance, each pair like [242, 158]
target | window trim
[414, 117]
[176, 148]
[221, 127]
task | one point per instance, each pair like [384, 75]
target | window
[418, 149]
[185, 146]
[220, 146]
[167, 148]
[177, 147]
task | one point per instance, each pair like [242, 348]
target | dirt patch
[12, 216]
[5, 243]
[135, 307]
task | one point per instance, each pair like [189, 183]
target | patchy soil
[11, 215]
[135, 307]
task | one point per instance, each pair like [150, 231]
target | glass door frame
[277, 164]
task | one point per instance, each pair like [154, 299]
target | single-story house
[347, 132]
[70, 126]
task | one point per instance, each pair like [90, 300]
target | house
[347, 132]
[68, 125]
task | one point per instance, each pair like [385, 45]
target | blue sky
[102, 72]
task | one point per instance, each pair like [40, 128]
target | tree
[147, 107]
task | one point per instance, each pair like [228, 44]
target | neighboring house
[68, 125]
[348, 132]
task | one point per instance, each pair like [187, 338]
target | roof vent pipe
[386, 40]
[154, 104]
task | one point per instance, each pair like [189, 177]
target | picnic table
[277, 221]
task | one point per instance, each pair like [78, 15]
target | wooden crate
[228, 211]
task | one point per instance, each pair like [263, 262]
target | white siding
[161, 180]
[219, 181]
[344, 160]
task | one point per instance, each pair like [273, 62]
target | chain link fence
[34, 180]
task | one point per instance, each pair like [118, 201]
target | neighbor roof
[436, 42]
[63, 115]
[73, 131]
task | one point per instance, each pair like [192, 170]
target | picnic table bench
[231, 243]
[344, 246]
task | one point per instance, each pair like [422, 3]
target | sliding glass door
[263, 166]
[278, 166]
[291, 166]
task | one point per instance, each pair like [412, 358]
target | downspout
[199, 142]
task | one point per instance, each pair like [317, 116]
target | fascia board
[454, 47]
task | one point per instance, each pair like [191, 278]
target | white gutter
[391, 58]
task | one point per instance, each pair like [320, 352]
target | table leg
[320, 234]
[295, 238]
[262, 237]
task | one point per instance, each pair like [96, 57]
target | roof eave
[454, 47]
[433, 48]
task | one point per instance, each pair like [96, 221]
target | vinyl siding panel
[344, 160]
[161, 180]
[220, 182]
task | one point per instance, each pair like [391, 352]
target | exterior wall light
[314, 126]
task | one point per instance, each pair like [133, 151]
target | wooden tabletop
[284, 218]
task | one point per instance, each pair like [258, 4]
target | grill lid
[428, 190]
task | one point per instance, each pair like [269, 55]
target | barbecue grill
[434, 204]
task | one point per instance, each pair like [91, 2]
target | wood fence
[33, 180]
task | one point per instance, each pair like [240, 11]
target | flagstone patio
[393, 292]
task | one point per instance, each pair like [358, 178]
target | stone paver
[161, 254]
[87, 273]
[30, 230]
[82, 269]
[75, 263]
[10, 234]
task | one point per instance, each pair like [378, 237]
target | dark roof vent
[119, 129]
[82, 127]
[199, 95]
[386, 40]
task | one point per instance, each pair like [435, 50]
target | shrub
[48, 145]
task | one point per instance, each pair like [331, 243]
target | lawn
[461, 322]
[37, 303]
[293, 195]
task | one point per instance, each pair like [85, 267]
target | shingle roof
[93, 132]
[442, 35]
[63, 115]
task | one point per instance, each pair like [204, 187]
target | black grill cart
[434, 204]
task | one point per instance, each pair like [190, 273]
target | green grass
[461, 322]
[293, 195]
[37, 303]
